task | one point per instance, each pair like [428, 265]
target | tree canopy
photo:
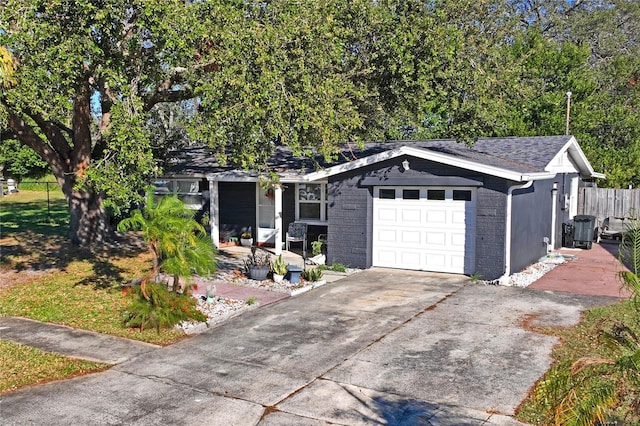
[95, 87]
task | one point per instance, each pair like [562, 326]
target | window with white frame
[311, 202]
[188, 190]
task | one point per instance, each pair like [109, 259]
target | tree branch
[27, 136]
[52, 130]
[163, 92]
[81, 129]
[168, 96]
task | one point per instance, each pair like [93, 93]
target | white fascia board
[352, 165]
[432, 156]
[577, 156]
[245, 176]
[233, 176]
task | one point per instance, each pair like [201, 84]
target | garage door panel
[386, 258]
[387, 214]
[436, 216]
[436, 238]
[387, 235]
[436, 262]
[458, 240]
[457, 262]
[424, 234]
[410, 237]
[458, 217]
[411, 216]
[410, 258]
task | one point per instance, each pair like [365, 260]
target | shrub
[159, 308]
[312, 274]
[338, 267]
[279, 266]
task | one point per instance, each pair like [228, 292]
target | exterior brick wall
[490, 228]
[349, 230]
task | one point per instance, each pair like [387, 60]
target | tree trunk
[89, 221]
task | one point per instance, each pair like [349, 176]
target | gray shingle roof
[517, 154]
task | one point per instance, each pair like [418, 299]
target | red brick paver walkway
[593, 273]
[238, 292]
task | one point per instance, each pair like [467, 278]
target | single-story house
[435, 205]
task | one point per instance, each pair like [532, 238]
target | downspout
[504, 279]
[554, 215]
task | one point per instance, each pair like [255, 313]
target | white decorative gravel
[220, 309]
[534, 272]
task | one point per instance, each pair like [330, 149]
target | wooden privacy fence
[605, 202]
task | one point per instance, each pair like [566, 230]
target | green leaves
[179, 243]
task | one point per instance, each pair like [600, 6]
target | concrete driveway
[378, 347]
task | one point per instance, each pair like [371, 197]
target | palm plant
[178, 243]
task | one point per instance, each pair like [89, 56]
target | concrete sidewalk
[72, 342]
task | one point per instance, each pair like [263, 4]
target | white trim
[432, 156]
[214, 213]
[322, 220]
[277, 192]
[579, 158]
[573, 196]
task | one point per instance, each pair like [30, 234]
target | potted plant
[257, 264]
[279, 269]
[246, 239]
[317, 249]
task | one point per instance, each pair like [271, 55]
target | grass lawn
[44, 277]
[585, 340]
[23, 366]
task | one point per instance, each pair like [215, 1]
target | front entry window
[311, 202]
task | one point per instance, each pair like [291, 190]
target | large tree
[87, 74]
[590, 48]
[90, 76]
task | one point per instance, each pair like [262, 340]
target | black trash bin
[567, 234]
[585, 231]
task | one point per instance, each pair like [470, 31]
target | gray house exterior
[436, 205]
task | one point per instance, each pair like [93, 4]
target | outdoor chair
[296, 233]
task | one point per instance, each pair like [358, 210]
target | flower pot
[259, 273]
[246, 242]
[278, 278]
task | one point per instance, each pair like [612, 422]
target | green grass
[77, 298]
[581, 341]
[29, 211]
[51, 280]
[23, 366]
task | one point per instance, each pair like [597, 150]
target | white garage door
[424, 228]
